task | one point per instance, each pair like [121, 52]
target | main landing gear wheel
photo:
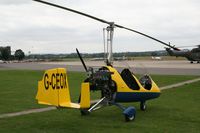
[84, 112]
[143, 106]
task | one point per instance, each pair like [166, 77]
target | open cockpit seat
[129, 79]
[146, 82]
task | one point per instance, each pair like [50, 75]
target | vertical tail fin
[53, 89]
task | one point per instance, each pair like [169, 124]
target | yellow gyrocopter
[115, 87]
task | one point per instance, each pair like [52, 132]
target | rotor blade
[75, 11]
[119, 26]
[80, 57]
[188, 46]
[104, 21]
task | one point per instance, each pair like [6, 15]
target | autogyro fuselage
[115, 87]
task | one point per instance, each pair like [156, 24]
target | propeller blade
[106, 22]
[80, 57]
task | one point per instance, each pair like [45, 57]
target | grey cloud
[176, 21]
[14, 2]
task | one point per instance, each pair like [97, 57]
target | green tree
[19, 54]
[5, 54]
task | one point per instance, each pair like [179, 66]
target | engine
[101, 80]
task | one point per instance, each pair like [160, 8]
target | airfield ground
[177, 110]
[172, 67]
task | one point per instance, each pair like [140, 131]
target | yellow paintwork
[53, 89]
[122, 87]
[85, 95]
[49, 96]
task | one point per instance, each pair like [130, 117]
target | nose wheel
[143, 106]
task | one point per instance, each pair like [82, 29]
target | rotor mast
[110, 33]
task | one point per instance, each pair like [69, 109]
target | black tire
[84, 112]
[128, 118]
[143, 106]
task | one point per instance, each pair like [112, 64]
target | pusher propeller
[80, 57]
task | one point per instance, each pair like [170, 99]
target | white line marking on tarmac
[30, 111]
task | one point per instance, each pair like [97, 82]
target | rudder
[53, 89]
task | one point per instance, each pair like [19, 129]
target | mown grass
[164, 80]
[177, 110]
[19, 87]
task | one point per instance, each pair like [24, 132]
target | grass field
[177, 110]
[19, 87]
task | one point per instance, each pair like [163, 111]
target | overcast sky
[40, 28]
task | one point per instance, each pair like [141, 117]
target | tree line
[5, 54]
[97, 55]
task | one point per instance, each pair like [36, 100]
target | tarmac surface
[172, 67]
